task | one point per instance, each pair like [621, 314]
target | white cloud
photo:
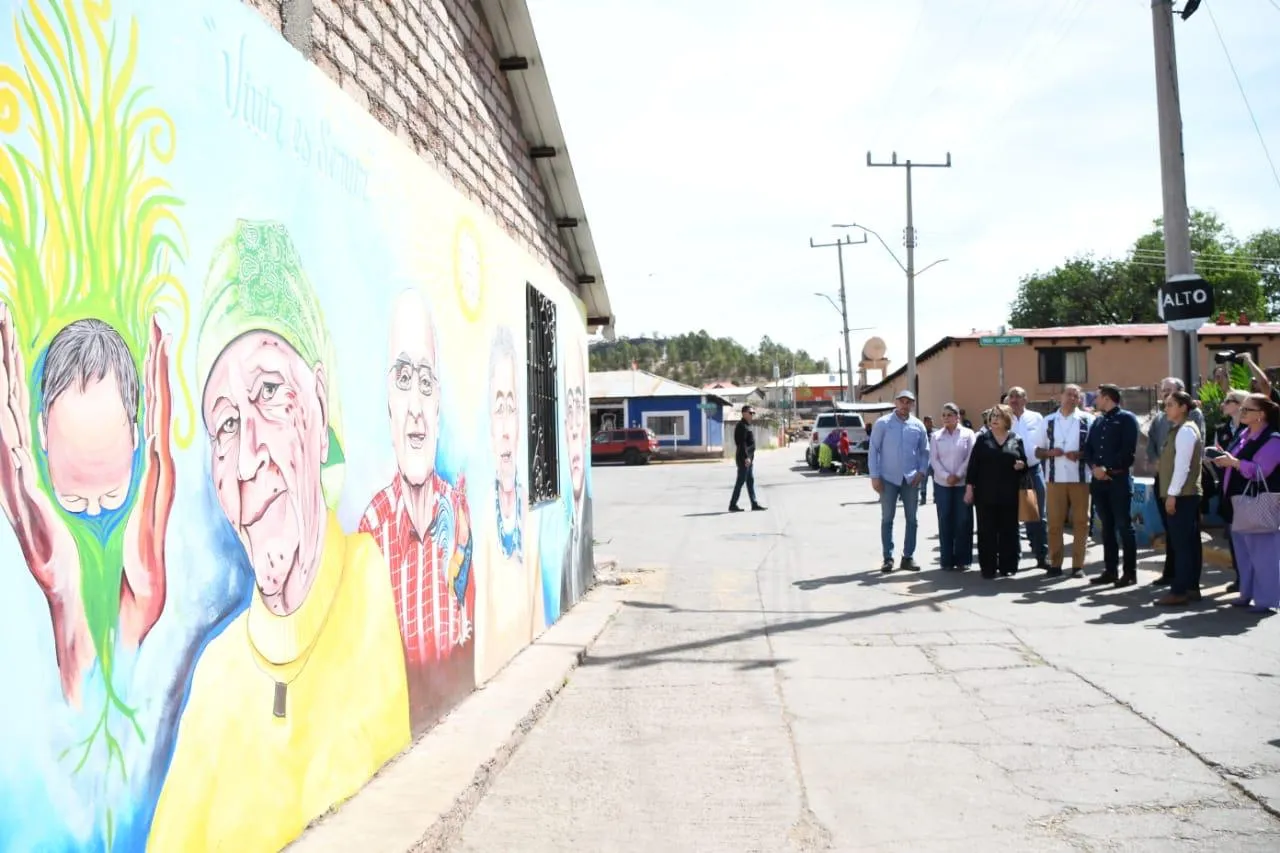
[713, 139]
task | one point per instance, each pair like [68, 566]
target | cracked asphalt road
[765, 688]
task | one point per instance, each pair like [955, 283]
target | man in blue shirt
[1110, 449]
[897, 460]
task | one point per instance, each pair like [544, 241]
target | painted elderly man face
[413, 389]
[89, 426]
[504, 422]
[266, 411]
[575, 414]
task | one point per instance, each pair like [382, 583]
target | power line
[1239, 85]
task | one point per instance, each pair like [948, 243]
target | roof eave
[512, 28]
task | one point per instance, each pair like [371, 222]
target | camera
[1228, 357]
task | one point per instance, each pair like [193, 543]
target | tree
[698, 359]
[1263, 250]
[1088, 291]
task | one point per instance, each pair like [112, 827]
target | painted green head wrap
[256, 284]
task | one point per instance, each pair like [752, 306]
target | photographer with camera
[1260, 382]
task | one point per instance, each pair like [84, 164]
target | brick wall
[428, 71]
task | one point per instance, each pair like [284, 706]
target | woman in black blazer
[996, 476]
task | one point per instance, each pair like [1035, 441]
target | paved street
[765, 688]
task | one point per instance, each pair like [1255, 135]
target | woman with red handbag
[1251, 503]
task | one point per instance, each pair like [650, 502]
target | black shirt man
[744, 438]
[1110, 449]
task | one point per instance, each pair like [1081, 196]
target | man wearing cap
[744, 440]
[897, 458]
[300, 699]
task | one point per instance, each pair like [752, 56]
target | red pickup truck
[635, 446]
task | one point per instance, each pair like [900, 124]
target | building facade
[283, 285]
[959, 369]
[684, 419]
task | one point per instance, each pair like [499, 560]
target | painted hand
[46, 543]
[143, 595]
[40, 534]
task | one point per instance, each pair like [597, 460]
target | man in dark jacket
[744, 439]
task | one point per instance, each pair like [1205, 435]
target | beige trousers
[1064, 499]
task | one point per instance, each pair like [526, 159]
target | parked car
[830, 422]
[634, 446]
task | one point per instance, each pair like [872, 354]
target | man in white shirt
[1027, 425]
[1061, 451]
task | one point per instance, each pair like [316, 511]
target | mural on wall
[263, 435]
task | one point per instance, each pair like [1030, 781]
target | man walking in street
[744, 440]
[1027, 425]
[1156, 435]
[897, 459]
[1061, 449]
[1109, 452]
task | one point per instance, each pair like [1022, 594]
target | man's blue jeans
[955, 526]
[1037, 531]
[890, 494]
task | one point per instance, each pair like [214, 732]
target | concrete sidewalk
[765, 688]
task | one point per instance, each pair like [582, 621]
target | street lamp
[844, 331]
[911, 273]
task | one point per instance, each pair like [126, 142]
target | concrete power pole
[844, 306]
[909, 238]
[1178, 261]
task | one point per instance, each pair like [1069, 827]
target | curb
[421, 800]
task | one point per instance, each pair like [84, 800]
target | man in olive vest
[1180, 459]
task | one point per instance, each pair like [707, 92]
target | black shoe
[758, 507]
[1053, 573]
[1234, 586]
[887, 565]
[1105, 577]
[1161, 581]
[1042, 563]
[1126, 580]
[733, 508]
[1077, 573]
[909, 565]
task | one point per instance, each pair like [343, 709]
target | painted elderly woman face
[266, 415]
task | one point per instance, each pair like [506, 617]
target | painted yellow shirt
[245, 780]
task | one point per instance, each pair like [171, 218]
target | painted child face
[90, 440]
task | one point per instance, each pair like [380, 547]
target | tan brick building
[959, 369]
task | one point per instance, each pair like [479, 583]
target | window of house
[1062, 366]
[668, 424]
[543, 408]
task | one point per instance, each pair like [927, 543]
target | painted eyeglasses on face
[404, 372]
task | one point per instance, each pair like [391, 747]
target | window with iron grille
[544, 415]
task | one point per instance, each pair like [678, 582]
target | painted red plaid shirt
[433, 620]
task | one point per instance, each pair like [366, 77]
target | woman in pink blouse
[949, 450]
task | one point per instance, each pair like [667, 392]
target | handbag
[1028, 506]
[1253, 511]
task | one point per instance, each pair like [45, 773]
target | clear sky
[713, 138]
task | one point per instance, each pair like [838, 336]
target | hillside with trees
[698, 359]
[1086, 290]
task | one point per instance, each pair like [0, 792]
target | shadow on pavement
[662, 654]
[706, 514]
[818, 583]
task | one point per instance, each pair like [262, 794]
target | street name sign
[1001, 340]
[1185, 302]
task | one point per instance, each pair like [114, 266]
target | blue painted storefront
[704, 430]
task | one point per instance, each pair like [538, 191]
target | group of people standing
[1023, 471]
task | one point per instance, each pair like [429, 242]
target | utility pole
[840, 368]
[909, 237]
[1183, 351]
[844, 306]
